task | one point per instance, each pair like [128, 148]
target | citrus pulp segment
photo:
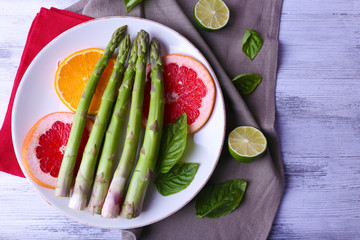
[44, 146]
[73, 73]
[246, 143]
[211, 15]
[188, 88]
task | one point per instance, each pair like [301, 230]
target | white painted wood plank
[318, 120]
[25, 215]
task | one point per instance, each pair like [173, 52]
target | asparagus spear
[149, 152]
[84, 178]
[113, 199]
[66, 172]
[113, 133]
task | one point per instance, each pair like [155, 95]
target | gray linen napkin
[253, 218]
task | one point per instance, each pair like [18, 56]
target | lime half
[246, 143]
[211, 15]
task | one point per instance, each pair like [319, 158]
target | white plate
[36, 97]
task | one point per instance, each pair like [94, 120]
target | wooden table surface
[318, 121]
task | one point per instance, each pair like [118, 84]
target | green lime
[246, 143]
[211, 15]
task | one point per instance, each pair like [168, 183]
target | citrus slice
[73, 73]
[44, 146]
[246, 143]
[188, 88]
[211, 15]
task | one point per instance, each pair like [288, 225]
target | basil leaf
[251, 43]
[173, 143]
[130, 4]
[246, 83]
[177, 179]
[219, 199]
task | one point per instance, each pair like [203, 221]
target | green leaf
[251, 43]
[177, 179]
[219, 199]
[173, 143]
[246, 83]
[130, 4]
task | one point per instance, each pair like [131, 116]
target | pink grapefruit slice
[44, 146]
[188, 88]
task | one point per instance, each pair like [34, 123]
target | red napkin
[47, 24]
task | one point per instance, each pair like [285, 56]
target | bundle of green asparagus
[108, 191]
[84, 178]
[105, 168]
[149, 151]
[115, 194]
[65, 177]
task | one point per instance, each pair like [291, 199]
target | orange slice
[44, 146]
[73, 73]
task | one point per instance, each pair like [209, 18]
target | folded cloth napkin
[47, 24]
[253, 218]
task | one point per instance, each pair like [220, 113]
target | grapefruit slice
[44, 146]
[188, 88]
